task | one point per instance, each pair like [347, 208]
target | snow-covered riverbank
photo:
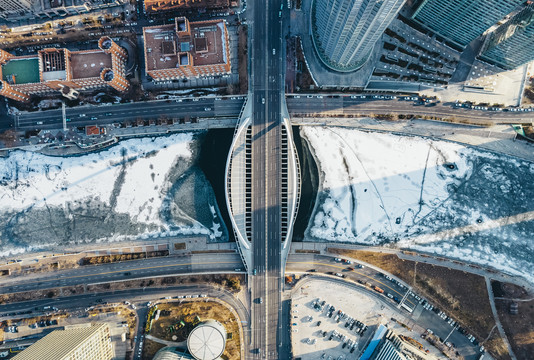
[138, 188]
[432, 196]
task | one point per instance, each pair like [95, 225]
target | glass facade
[345, 31]
[462, 21]
[512, 44]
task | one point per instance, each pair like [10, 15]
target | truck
[377, 289]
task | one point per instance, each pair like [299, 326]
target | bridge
[262, 179]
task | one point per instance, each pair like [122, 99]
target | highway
[206, 107]
[267, 91]
[323, 104]
[89, 274]
[229, 107]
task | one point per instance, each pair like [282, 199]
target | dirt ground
[150, 348]
[446, 288]
[519, 328]
[304, 79]
[173, 312]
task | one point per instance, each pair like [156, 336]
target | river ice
[139, 188]
[433, 196]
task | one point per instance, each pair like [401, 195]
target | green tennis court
[25, 70]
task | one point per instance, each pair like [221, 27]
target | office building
[89, 342]
[462, 21]
[14, 10]
[63, 70]
[512, 44]
[346, 31]
[184, 50]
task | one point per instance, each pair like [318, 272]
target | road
[206, 107]
[198, 263]
[267, 91]
[139, 297]
[322, 104]
[230, 107]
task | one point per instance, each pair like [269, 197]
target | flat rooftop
[21, 71]
[167, 5]
[206, 45]
[86, 64]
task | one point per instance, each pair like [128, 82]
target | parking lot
[320, 332]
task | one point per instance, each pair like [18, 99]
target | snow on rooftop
[433, 196]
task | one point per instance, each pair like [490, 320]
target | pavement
[267, 84]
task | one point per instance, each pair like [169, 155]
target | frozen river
[433, 196]
[139, 188]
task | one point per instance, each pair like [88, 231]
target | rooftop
[21, 71]
[164, 49]
[86, 64]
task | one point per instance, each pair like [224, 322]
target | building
[385, 345]
[63, 70]
[14, 10]
[89, 342]
[512, 44]
[177, 5]
[207, 341]
[462, 21]
[346, 31]
[184, 50]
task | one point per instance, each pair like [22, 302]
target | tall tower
[345, 31]
[462, 21]
[8, 91]
[512, 44]
[114, 80]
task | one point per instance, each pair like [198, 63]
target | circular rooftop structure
[207, 341]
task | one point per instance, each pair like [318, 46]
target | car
[263, 101]
[94, 118]
[340, 275]
[39, 123]
[254, 272]
[274, 51]
[260, 300]
[318, 323]
[207, 109]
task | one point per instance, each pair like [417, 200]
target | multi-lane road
[206, 107]
[267, 91]
[230, 107]
[153, 267]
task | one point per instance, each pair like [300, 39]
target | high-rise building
[345, 31]
[462, 21]
[90, 342]
[512, 44]
[63, 70]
